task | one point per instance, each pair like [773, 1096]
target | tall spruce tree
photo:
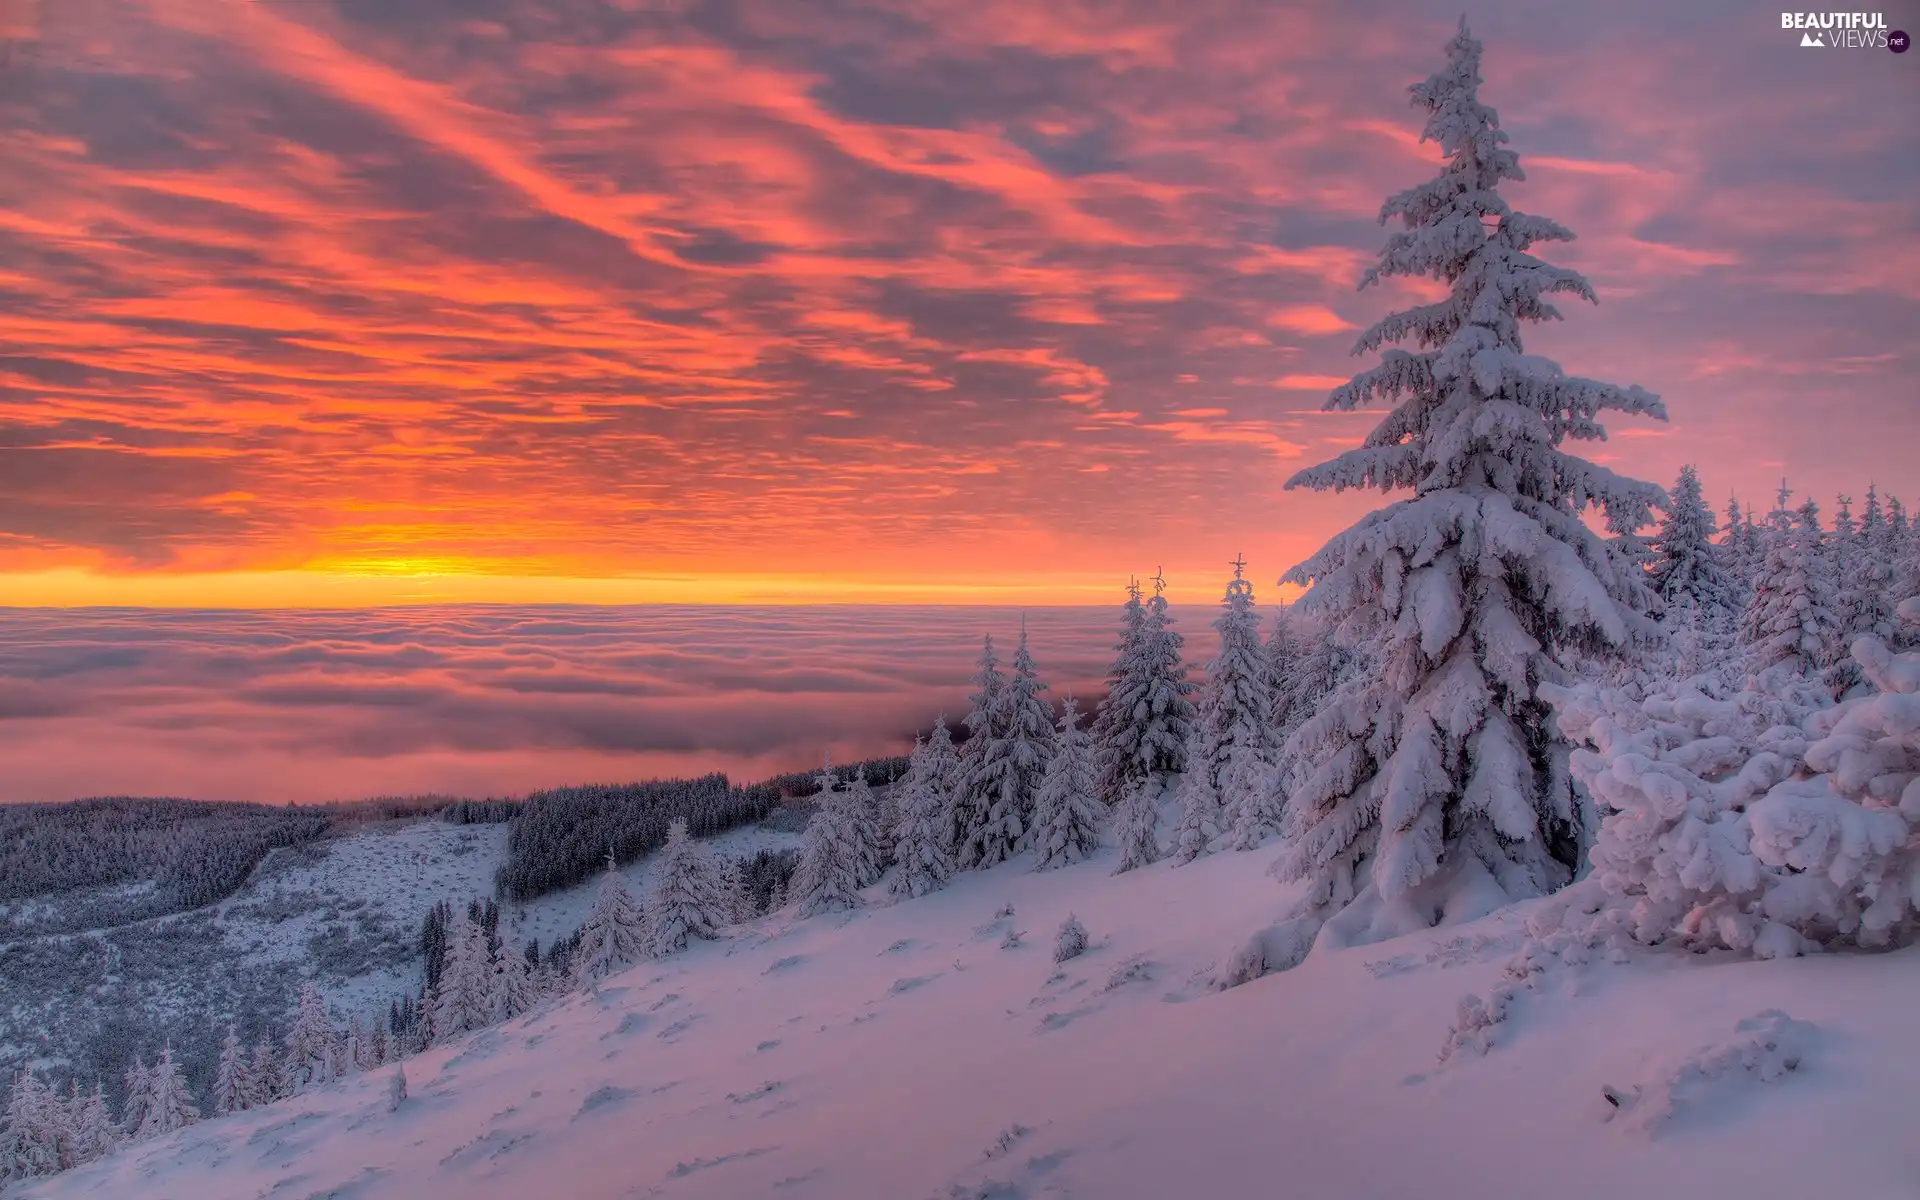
[36, 1136]
[136, 1094]
[311, 1043]
[514, 993]
[614, 935]
[93, 1129]
[1439, 769]
[1789, 622]
[1687, 570]
[170, 1104]
[1120, 721]
[1233, 735]
[982, 759]
[860, 816]
[1066, 820]
[919, 840]
[464, 999]
[828, 876]
[1168, 723]
[686, 901]
[1013, 764]
[232, 1082]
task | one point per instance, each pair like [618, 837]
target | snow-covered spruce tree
[1011, 767]
[827, 878]
[1736, 548]
[730, 871]
[614, 935]
[1439, 786]
[1168, 725]
[1686, 570]
[170, 1104]
[1789, 623]
[982, 758]
[136, 1094]
[1066, 816]
[232, 1079]
[1864, 598]
[860, 821]
[1201, 819]
[311, 1043]
[464, 1002]
[513, 992]
[1223, 797]
[1120, 721]
[686, 901]
[919, 841]
[1136, 826]
[268, 1076]
[37, 1138]
[94, 1133]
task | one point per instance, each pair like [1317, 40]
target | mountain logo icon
[1812, 39]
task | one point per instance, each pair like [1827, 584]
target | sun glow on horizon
[390, 582]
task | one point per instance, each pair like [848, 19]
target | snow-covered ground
[905, 1051]
[344, 912]
[401, 871]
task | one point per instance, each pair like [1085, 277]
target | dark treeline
[879, 771]
[562, 836]
[193, 852]
[481, 812]
[455, 810]
[198, 852]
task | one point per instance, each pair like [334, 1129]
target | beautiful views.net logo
[1859, 31]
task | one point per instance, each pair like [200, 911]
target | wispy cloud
[559, 289]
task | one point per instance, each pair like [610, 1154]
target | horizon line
[70, 589]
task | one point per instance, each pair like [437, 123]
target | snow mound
[1765, 1048]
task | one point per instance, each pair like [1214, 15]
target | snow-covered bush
[1765, 820]
[1070, 941]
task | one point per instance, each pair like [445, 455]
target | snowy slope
[902, 1052]
[343, 911]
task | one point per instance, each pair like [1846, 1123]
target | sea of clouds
[282, 706]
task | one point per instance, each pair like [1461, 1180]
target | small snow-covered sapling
[1071, 941]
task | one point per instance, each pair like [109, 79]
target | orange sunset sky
[342, 302]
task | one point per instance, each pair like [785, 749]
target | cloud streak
[564, 290]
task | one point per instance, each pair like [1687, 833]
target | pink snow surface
[901, 1052]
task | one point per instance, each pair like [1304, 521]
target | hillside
[343, 911]
[904, 1051]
